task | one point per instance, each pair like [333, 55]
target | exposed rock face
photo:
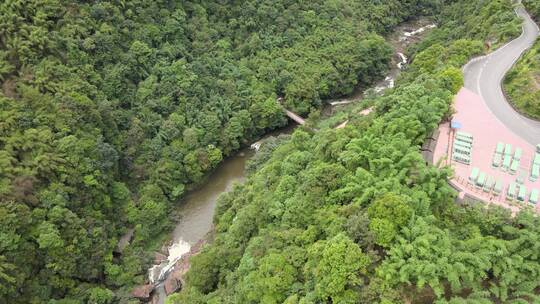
[142, 292]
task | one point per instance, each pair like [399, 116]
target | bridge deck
[295, 117]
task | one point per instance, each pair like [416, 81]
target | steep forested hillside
[354, 215]
[522, 83]
[533, 7]
[111, 110]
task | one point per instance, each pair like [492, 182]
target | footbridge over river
[297, 118]
[294, 117]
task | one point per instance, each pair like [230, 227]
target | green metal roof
[481, 179]
[507, 160]
[464, 134]
[535, 171]
[522, 193]
[514, 166]
[497, 158]
[500, 148]
[533, 198]
[474, 174]
[463, 139]
[461, 155]
[461, 150]
[517, 153]
[462, 144]
[508, 149]
[511, 190]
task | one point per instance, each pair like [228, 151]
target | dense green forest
[111, 110]
[533, 7]
[355, 215]
[522, 83]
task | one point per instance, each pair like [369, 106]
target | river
[196, 211]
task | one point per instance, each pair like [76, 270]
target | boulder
[172, 283]
[142, 292]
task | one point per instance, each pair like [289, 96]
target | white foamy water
[256, 145]
[416, 32]
[403, 61]
[159, 272]
[388, 83]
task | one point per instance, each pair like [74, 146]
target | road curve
[484, 76]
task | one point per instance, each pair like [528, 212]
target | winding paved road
[484, 76]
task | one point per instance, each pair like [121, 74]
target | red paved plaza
[476, 119]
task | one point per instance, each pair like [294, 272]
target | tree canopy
[110, 111]
[355, 215]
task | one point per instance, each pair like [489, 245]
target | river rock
[155, 300]
[142, 292]
[172, 283]
[175, 279]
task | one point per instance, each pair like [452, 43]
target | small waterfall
[416, 32]
[403, 61]
[256, 145]
[388, 83]
[158, 273]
